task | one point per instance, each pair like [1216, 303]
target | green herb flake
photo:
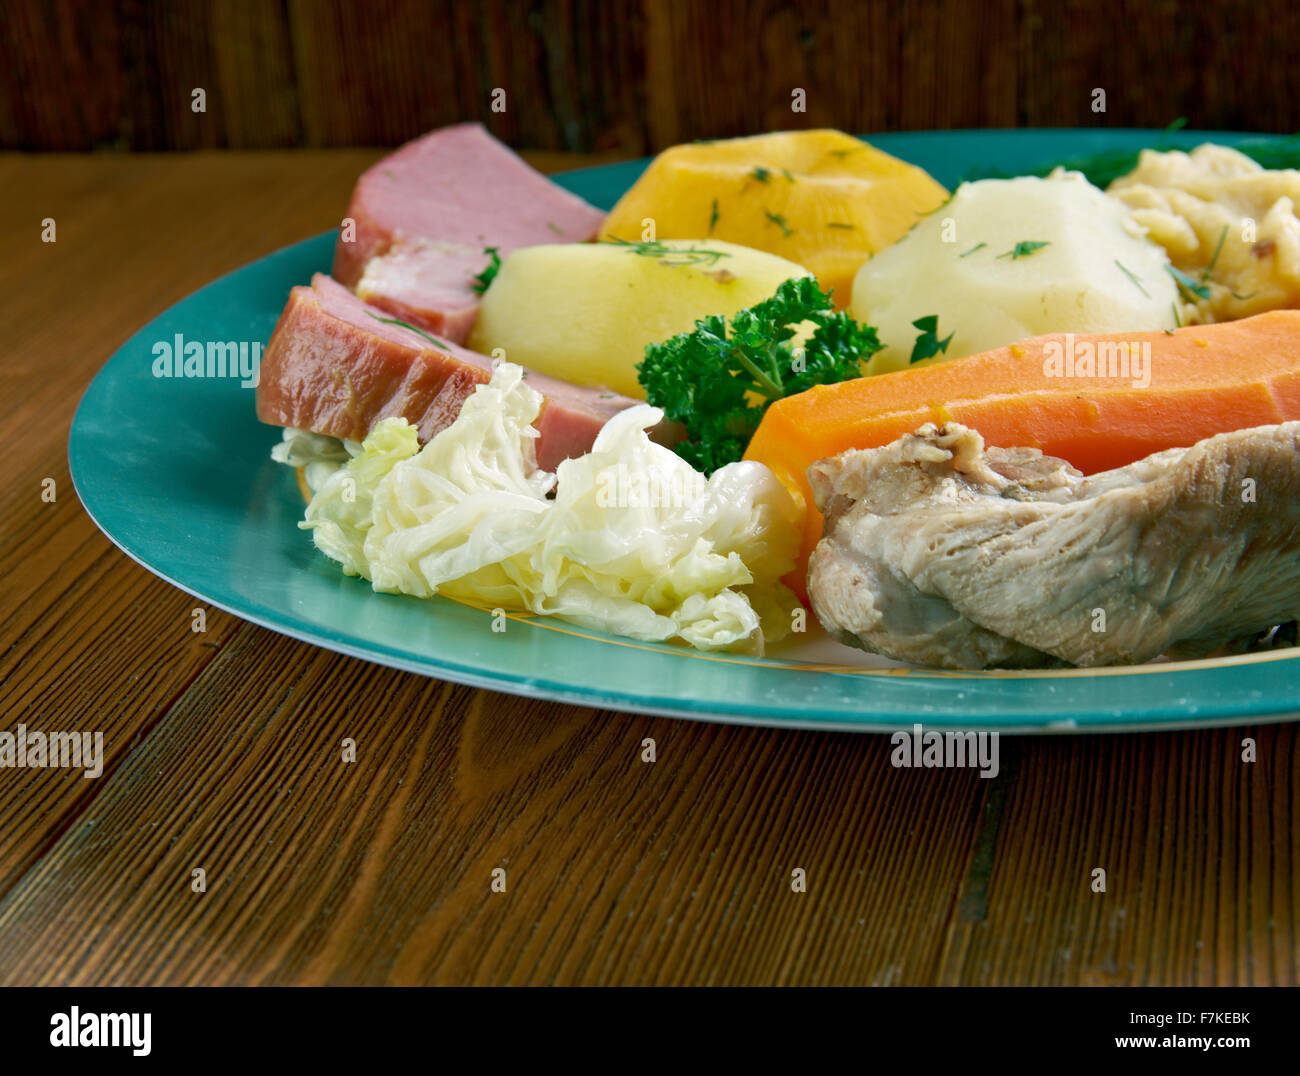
[761, 174]
[928, 343]
[977, 246]
[1218, 249]
[555, 227]
[1189, 286]
[655, 248]
[1024, 248]
[841, 224]
[780, 222]
[412, 328]
[489, 274]
[1131, 277]
[786, 172]
[1177, 320]
[713, 217]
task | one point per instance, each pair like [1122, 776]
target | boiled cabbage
[628, 539]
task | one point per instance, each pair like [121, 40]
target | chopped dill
[1131, 277]
[654, 248]
[780, 222]
[1205, 275]
[412, 328]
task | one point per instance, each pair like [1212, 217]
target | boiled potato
[1008, 259]
[585, 312]
[821, 198]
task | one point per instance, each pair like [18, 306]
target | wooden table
[220, 748]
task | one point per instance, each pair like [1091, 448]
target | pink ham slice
[424, 215]
[427, 284]
[333, 367]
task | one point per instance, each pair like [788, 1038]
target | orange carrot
[1042, 393]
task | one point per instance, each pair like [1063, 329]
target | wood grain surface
[222, 748]
[627, 75]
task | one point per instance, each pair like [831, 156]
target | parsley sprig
[718, 379]
[928, 343]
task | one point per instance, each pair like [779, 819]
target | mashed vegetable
[634, 540]
[1226, 222]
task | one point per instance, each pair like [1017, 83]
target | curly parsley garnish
[718, 379]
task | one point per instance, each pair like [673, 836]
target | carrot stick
[1040, 393]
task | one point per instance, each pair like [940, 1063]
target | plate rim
[1209, 713]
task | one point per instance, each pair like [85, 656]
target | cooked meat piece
[333, 367]
[424, 214]
[939, 552]
[426, 284]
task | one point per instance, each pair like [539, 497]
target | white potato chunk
[1008, 259]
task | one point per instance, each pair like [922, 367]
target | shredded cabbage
[318, 455]
[633, 541]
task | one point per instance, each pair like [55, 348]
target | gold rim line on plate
[551, 624]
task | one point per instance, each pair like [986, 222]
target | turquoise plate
[177, 473]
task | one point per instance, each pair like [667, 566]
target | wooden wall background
[627, 77]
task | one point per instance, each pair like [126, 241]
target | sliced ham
[424, 215]
[426, 283]
[334, 367]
